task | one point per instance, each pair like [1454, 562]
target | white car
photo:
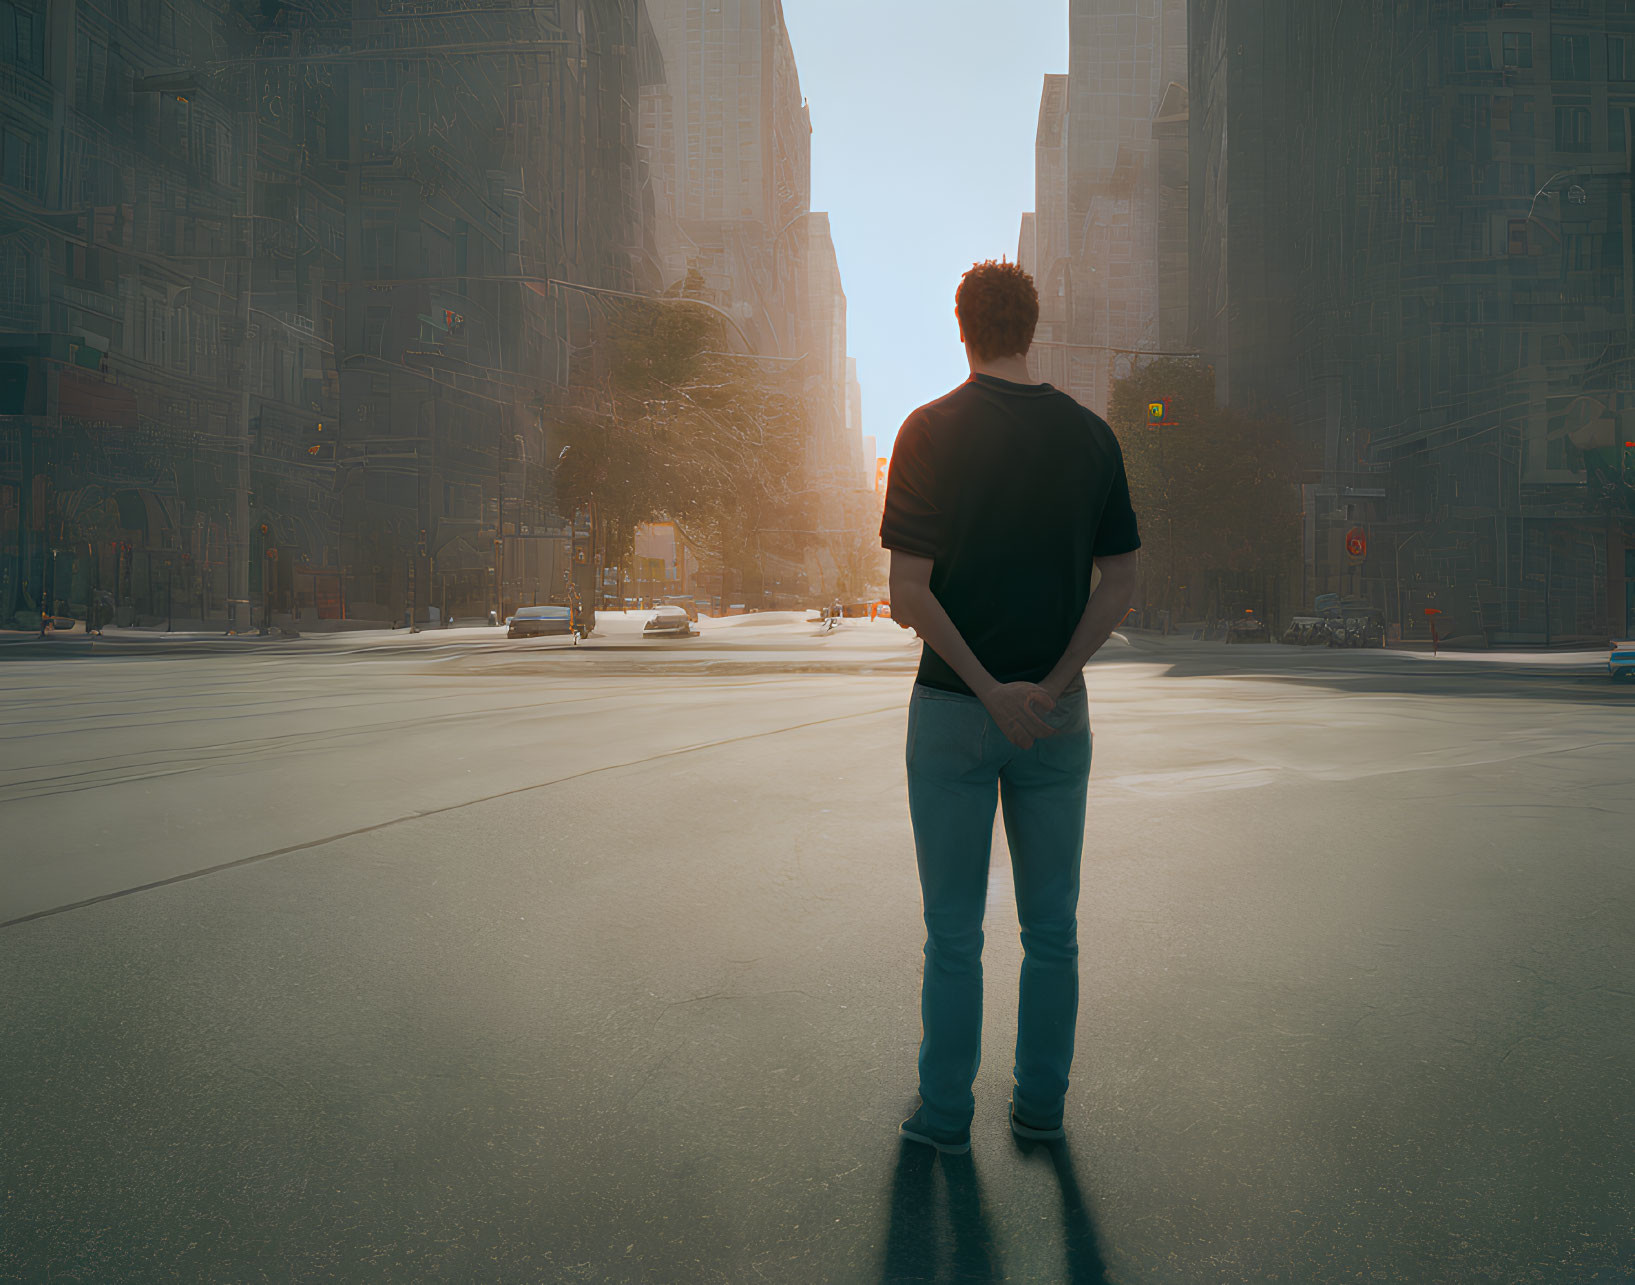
[668, 621]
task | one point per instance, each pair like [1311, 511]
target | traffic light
[320, 445]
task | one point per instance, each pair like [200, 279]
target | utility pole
[238, 556]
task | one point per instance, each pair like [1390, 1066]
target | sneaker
[954, 1144]
[1034, 1133]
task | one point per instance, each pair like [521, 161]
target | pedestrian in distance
[1008, 480]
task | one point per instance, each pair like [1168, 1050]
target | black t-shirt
[1012, 489]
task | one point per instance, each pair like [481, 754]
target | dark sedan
[533, 622]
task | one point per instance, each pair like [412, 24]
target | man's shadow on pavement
[915, 1239]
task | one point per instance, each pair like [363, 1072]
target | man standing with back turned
[1001, 499]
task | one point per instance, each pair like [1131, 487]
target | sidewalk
[615, 630]
[150, 642]
[1554, 660]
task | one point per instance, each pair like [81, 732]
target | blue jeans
[959, 764]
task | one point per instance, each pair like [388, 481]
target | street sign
[1356, 545]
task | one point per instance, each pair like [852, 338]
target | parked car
[668, 621]
[1621, 664]
[1353, 626]
[533, 622]
[686, 604]
[1246, 629]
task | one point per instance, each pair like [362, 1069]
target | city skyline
[900, 269]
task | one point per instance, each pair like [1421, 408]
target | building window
[90, 73]
[1475, 53]
[178, 116]
[17, 296]
[1620, 58]
[1617, 127]
[22, 37]
[1518, 49]
[374, 330]
[181, 349]
[379, 246]
[1578, 252]
[1522, 122]
[19, 162]
[1572, 129]
[1569, 57]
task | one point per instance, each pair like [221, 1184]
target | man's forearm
[1109, 604]
[930, 621]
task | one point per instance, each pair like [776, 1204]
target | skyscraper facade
[1105, 149]
[727, 137]
[1411, 235]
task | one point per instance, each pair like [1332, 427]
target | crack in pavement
[893, 708]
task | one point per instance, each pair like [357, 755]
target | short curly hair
[998, 309]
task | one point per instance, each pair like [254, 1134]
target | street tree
[1215, 489]
[685, 431]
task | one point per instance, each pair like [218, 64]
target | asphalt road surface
[448, 960]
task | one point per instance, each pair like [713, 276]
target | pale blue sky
[923, 117]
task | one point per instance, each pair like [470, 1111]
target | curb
[310, 645]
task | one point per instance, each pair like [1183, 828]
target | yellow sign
[1155, 412]
[881, 468]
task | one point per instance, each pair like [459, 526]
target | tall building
[727, 138]
[1027, 244]
[489, 196]
[161, 325]
[835, 449]
[1043, 246]
[1422, 258]
[726, 141]
[854, 424]
[289, 296]
[1106, 156]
